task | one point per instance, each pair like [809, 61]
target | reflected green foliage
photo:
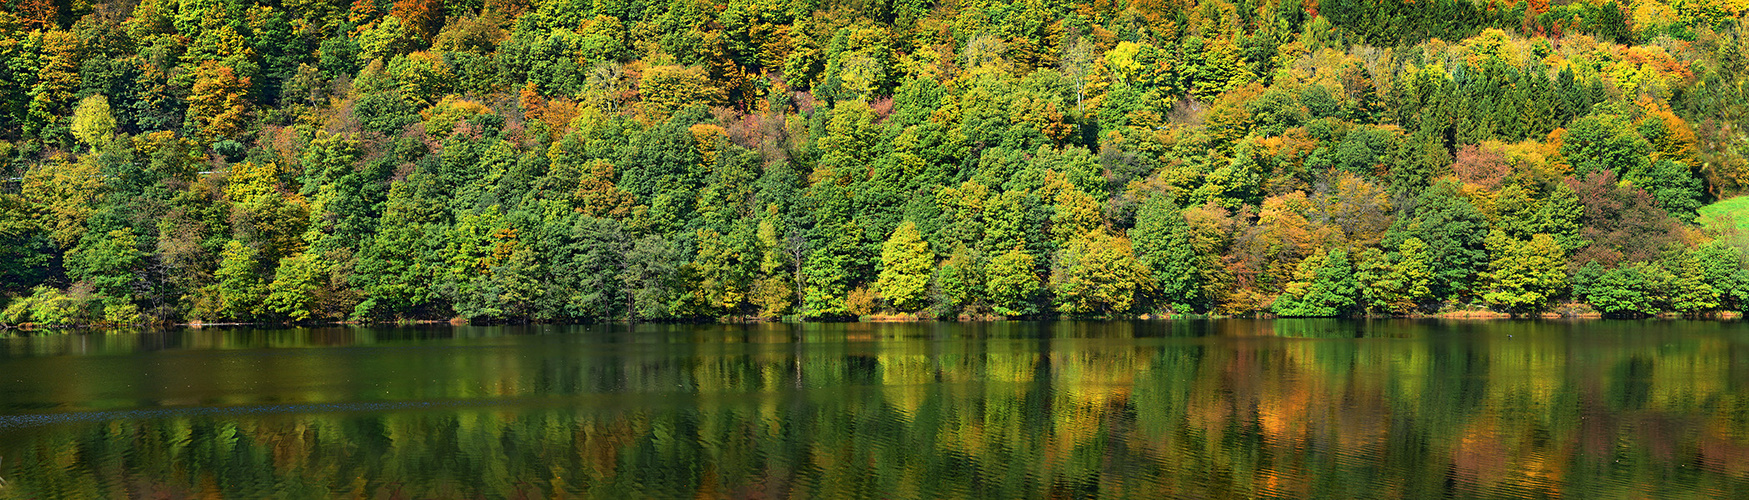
[1296, 408]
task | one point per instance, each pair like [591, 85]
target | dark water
[1220, 409]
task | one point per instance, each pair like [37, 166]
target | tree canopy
[683, 160]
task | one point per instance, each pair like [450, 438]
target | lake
[1132, 409]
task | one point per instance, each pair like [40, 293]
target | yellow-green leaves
[906, 264]
[1097, 273]
[1011, 283]
[68, 191]
[92, 122]
[1525, 276]
[669, 88]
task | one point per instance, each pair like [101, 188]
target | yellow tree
[424, 78]
[1010, 283]
[1525, 276]
[265, 215]
[1098, 273]
[92, 122]
[906, 264]
[1353, 208]
[56, 79]
[597, 196]
[68, 192]
[219, 102]
[772, 291]
[668, 88]
[719, 271]
[1077, 214]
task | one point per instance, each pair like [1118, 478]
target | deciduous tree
[906, 263]
[1097, 273]
[1325, 287]
[1011, 283]
[1525, 277]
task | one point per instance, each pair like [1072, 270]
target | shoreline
[1472, 315]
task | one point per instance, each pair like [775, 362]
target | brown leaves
[1480, 166]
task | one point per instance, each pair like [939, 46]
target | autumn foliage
[688, 159]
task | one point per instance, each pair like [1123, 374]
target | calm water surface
[1215, 409]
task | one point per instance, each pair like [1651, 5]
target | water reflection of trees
[1011, 410]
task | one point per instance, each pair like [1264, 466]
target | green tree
[1525, 277]
[1455, 234]
[56, 81]
[1605, 142]
[1629, 291]
[1399, 282]
[1011, 283]
[110, 262]
[650, 268]
[25, 247]
[773, 290]
[1325, 286]
[1677, 190]
[47, 306]
[1722, 268]
[1688, 292]
[296, 288]
[906, 264]
[240, 288]
[1098, 273]
[959, 282]
[837, 262]
[588, 256]
[723, 271]
[1163, 245]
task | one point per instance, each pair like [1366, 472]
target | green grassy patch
[1718, 218]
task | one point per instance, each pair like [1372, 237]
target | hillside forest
[594, 160]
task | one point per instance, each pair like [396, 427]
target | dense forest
[568, 160]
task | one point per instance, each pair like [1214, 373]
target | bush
[76, 306]
[47, 306]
